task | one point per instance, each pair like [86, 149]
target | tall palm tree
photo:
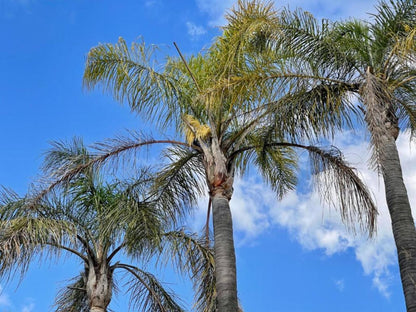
[338, 71]
[97, 221]
[227, 126]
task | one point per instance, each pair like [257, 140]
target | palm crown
[97, 221]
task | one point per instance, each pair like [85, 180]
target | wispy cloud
[150, 3]
[4, 299]
[215, 9]
[11, 8]
[340, 285]
[28, 308]
[332, 9]
[6, 302]
[195, 31]
[302, 215]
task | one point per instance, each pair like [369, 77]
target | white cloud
[302, 215]
[194, 30]
[6, 302]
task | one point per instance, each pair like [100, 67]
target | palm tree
[336, 72]
[228, 128]
[97, 221]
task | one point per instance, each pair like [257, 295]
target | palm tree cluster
[272, 84]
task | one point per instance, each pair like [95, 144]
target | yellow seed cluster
[194, 129]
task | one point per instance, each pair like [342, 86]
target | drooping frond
[107, 153]
[277, 165]
[24, 238]
[340, 187]
[128, 73]
[147, 293]
[191, 254]
[62, 154]
[136, 226]
[336, 182]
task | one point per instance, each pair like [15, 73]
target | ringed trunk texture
[225, 264]
[404, 231]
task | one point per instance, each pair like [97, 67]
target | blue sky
[292, 256]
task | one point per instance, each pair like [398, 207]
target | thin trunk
[401, 217]
[225, 264]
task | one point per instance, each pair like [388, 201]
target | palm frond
[179, 184]
[147, 293]
[24, 238]
[278, 166]
[129, 75]
[339, 186]
[73, 297]
[191, 254]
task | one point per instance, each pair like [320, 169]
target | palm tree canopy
[96, 220]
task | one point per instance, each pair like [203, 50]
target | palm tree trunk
[99, 286]
[225, 264]
[404, 231]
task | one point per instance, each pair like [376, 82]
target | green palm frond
[147, 293]
[128, 73]
[391, 19]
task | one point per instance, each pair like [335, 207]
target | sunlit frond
[130, 75]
